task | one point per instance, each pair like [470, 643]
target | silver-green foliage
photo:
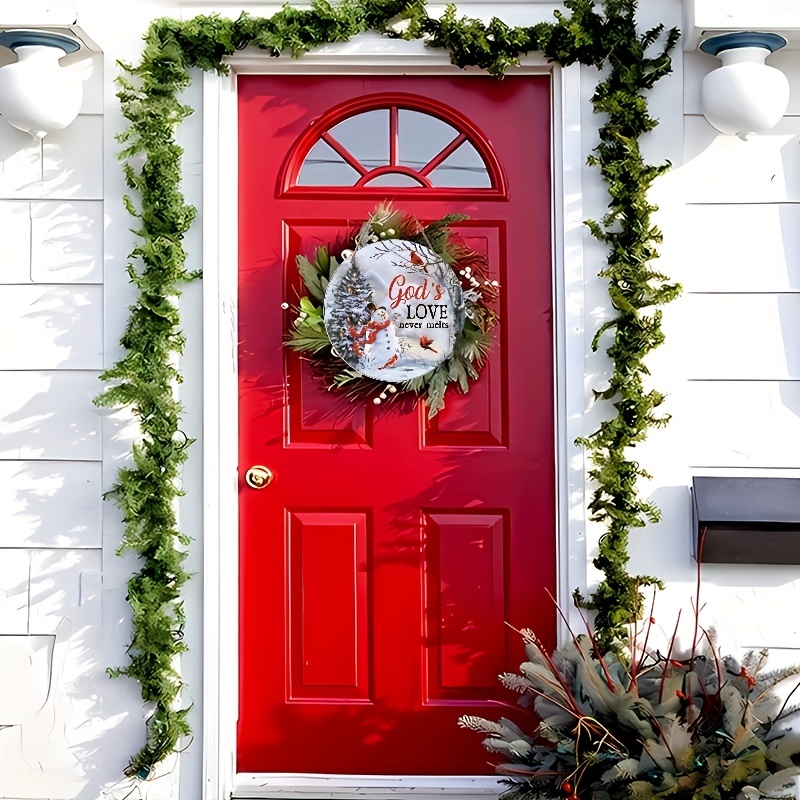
[611, 728]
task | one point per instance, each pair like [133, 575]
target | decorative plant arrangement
[647, 726]
[429, 251]
[603, 36]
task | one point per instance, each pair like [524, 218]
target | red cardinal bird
[425, 343]
[416, 260]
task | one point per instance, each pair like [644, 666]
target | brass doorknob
[258, 477]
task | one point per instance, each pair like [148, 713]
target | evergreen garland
[605, 37]
[636, 290]
[309, 335]
[144, 380]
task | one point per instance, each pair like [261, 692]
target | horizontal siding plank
[753, 424]
[15, 568]
[49, 415]
[52, 326]
[81, 147]
[53, 504]
[733, 248]
[15, 234]
[62, 581]
[740, 607]
[67, 241]
[35, 170]
[734, 598]
[734, 336]
[724, 169]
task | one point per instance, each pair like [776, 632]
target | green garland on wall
[636, 290]
[144, 379]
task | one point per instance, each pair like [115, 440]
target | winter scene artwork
[393, 310]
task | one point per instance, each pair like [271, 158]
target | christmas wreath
[406, 311]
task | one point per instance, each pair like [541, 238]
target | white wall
[51, 329]
[729, 211]
[63, 304]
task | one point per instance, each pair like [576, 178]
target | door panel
[381, 565]
[328, 609]
[477, 419]
[465, 604]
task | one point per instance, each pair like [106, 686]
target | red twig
[646, 639]
[608, 679]
[700, 544]
[706, 696]
[669, 658]
[655, 721]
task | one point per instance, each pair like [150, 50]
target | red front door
[381, 565]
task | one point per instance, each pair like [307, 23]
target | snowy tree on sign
[349, 312]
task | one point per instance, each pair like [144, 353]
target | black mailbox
[746, 520]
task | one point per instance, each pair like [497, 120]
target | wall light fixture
[744, 96]
[37, 94]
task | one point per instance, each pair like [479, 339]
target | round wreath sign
[406, 310]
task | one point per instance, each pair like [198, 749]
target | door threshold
[313, 786]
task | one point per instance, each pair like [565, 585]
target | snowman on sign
[376, 342]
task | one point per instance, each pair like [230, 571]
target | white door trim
[309, 786]
[366, 54]
[220, 437]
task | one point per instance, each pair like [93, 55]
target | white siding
[730, 212]
[50, 504]
[729, 248]
[49, 415]
[60, 327]
[36, 170]
[67, 241]
[731, 364]
[15, 228]
[52, 662]
[52, 241]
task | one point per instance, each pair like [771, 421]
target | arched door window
[401, 142]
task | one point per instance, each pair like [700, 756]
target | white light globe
[37, 95]
[744, 96]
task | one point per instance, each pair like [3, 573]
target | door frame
[366, 54]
